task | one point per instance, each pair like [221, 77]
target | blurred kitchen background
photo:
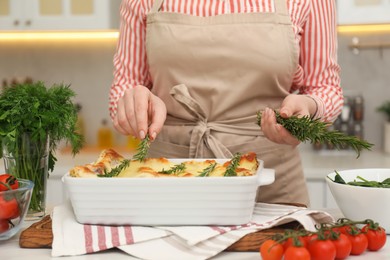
[84, 60]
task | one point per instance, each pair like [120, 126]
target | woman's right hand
[139, 112]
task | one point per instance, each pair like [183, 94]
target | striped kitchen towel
[165, 242]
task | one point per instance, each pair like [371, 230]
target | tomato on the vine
[271, 250]
[297, 253]
[343, 246]
[342, 229]
[359, 243]
[322, 249]
[4, 225]
[9, 207]
[376, 237]
[289, 242]
[8, 181]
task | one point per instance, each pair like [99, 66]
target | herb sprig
[362, 182]
[176, 169]
[313, 130]
[232, 167]
[206, 171]
[115, 171]
[142, 149]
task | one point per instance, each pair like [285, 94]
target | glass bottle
[105, 136]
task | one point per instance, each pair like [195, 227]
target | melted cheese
[158, 167]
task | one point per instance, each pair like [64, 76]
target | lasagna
[109, 162]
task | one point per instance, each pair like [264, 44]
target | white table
[10, 250]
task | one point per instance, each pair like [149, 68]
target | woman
[193, 74]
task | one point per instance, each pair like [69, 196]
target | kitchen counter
[316, 164]
[10, 250]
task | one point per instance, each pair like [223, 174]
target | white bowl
[166, 201]
[360, 203]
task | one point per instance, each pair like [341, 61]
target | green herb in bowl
[362, 182]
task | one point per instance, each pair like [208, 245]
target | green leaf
[338, 178]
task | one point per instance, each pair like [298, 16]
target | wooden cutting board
[39, 235]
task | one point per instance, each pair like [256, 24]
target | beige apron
[214, 73]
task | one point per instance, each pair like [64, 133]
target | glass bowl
[13, 208]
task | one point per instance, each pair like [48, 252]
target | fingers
[158, 114]
[140, 106]
[140, 112]
[274, 131]
[120, 122]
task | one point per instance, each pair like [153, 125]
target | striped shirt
[313, 22]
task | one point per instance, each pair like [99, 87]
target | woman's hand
[297, 105]
[140, 112]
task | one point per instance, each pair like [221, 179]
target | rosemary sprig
[176, 169]
[206, 171]
[313, 130]
[234, 162]
[142, 149]
[115, 171]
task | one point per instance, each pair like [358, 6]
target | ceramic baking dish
[166, 201]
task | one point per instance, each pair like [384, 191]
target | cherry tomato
[322, 249]
[343, 246]
[9, 208]
[376, 237]
[289, 242]
[271, 250]
[7, 182]
[346, 229]
[4, 225]
[296, 253]
[359, 243]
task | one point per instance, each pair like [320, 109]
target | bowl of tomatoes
[362, 194]
[15, 196]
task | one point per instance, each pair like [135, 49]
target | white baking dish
[166, 201]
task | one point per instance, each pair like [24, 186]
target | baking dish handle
[266, 176]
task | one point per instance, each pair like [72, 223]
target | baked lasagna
[109, 162]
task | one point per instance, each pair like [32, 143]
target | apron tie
[201, 134]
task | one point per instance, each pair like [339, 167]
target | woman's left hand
[297, 105]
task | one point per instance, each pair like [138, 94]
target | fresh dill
[232, 167]
[313, 130]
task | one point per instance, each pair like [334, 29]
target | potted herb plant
[33, 120]
[385, 109]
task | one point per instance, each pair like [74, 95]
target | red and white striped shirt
[313, 21]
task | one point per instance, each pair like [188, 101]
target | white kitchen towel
[182, 242]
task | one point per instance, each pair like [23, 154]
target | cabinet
[363, 12]
[320, 195]
[16, 15]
